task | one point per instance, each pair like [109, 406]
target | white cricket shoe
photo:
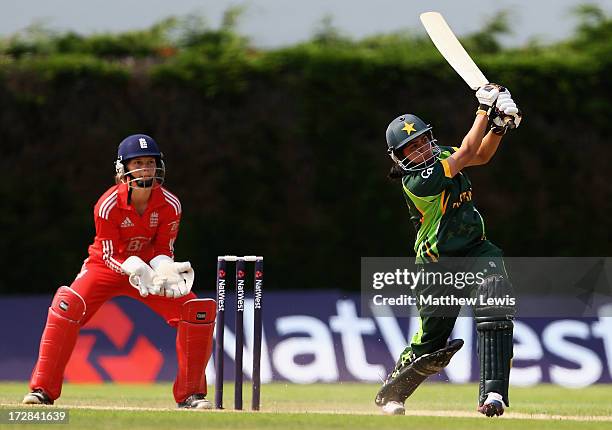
[493, 406]
[195, 401]
[393, 408]
[37, 397]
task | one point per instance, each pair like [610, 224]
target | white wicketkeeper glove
[178, 276]
[142, 276]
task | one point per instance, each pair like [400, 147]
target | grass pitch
[322, 406]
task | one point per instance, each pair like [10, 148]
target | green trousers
[436, 324]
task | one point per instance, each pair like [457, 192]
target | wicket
[241, 263]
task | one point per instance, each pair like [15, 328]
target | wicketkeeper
[137, 222]
[438, 193]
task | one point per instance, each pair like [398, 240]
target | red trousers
[96, 284]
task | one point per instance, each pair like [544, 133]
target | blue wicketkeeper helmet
[134, 146]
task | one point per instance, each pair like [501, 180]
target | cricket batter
[137, 222]
[439, 197]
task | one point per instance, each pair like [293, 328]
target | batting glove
[487, 96]
[507, 114]
[505, 104]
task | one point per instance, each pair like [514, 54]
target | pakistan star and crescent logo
[408, 128]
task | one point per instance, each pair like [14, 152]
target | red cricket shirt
[121, 232]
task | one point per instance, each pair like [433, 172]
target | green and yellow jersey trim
[446, 168]
[431, 209]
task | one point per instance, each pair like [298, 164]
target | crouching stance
[137, 223]
[439, 196]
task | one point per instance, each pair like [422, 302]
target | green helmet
[403, 130]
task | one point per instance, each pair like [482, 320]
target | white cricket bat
[450, 48]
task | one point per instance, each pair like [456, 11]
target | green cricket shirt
[446, 221]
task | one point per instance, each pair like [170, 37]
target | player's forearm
[488, 147]
[472, 140]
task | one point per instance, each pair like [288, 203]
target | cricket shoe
[410, 371]
[195, 401]
[396, 406]
[493, 406]
[37, 397]
[393, 407]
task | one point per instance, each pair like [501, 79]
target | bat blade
[452, 50]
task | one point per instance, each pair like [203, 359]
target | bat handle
[509, 122]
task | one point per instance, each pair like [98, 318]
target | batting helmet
[404, 129]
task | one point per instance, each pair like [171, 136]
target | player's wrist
[498, 130]
[484, 109]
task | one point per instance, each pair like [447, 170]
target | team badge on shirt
[154, 219]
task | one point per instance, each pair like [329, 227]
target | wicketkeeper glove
[142, 276]
[177, 277]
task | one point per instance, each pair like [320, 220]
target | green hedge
[282, 153]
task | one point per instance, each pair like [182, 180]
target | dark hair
[396, 172]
